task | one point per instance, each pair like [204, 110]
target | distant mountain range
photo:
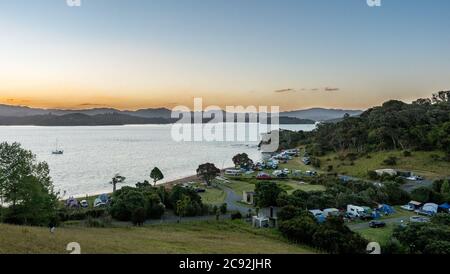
[19, 115]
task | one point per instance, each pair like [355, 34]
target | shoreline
[169, 184]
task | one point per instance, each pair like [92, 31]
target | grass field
[213, 196]
[185, 238]
[379, 235]
[420, 163]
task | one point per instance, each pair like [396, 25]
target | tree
[26, 186]
[182, 206]
[299, 229]
[125, 201]
[207, 172]
[156, 175]
[266, 193]
[242, 160]
[117, 179]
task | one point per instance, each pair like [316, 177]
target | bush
[223, 208]
[138, 216]
[407, 153]
[372, 175]
[236, 215]
[125, 202]
[299, 229]
[266, 194]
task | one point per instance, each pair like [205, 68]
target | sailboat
[57, 151]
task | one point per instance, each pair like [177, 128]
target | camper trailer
[355, 211]
[233, 172]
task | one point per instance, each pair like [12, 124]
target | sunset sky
[132, 54]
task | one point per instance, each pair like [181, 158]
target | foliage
[427, 195]
[242, 160]
[26, 186]
[117, 179]
[207, 172]
[223, 208]
[266, 193]
[138, 216]
[156, 175]
[431, 238]
[423, 124]
[236, 215]
[126, 200]
[332, 236]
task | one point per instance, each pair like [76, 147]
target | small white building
[248, 197]
[260, 221]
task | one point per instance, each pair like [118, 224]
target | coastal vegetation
[26, 187]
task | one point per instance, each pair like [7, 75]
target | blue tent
[376, 215]
[386, 209]
[445, 206]
[320, 218]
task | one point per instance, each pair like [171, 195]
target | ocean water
[93, 155]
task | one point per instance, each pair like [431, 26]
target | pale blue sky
[147, 53]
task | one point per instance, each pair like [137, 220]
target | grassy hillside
[199, 237]
[420, 162]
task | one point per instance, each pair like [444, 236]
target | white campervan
[355, 211]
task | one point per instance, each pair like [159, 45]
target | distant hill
[108, 119]
[80, 119]
[19, 115]
[320, 114]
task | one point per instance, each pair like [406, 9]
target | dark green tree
[26, 186]
[156, 175]
[207, 172]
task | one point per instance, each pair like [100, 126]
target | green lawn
[379, 235]
[185, 238]
[213, 196]
[420, 163]
[291, 186]
[240, 186]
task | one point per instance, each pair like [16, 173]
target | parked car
[310, 173]
[200, 190]
[99, 203]
[377, 224]
[408, 207]
[414, 178]
[263, 176]
[84, 204]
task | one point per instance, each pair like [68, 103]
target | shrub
[236, 215]
[390, 161]
[372, 175]
[138, 216]
[223, 208]
[407, 153]
[266, 194]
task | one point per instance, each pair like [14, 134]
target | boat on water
[57, 151]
